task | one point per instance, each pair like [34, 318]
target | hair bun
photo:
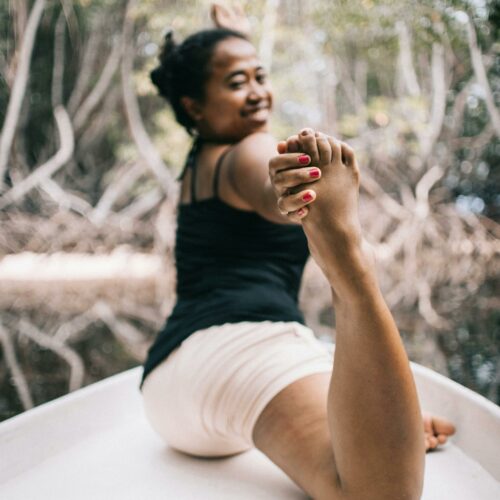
[159, 79]
[161, 75]
[168, 47]
[184, 69]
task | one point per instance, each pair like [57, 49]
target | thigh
[206, 397]
[176, 397]
[293, 432]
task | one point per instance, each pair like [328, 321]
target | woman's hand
[292, 173]
[230, 18]
[290, 180]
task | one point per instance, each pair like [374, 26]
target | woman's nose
[256, 92]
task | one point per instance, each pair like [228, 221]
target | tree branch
[100, 88]
[142, 205]
[70, 330]
[146, 148]
[482, 79]
[425, 307]
[391, 206]
[71, 357]
[123, 179]
[125, 333]
[422, 190]
[405, 58]
[266, 45]
[51, 166]
[19, 88]
[59, 59]
[18, 378]
[85, 71]
[64, 199]
[438, 108]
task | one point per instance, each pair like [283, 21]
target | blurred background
[89, 155]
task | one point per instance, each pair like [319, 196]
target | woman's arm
[247, 172]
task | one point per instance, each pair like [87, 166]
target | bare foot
[332, 225]
[436, 430]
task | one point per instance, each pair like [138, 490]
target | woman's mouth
[257, 112]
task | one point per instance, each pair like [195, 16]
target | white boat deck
[97, 444]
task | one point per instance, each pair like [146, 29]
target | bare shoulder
[247, 169]
[255, 147]
[250, 161]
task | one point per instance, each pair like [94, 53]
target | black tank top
[232, 265]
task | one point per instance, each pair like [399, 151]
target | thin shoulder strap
[215, 183]
[191, 163]
[193, 181]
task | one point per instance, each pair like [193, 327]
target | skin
[335, 435]
[236, 110]
[371, 383]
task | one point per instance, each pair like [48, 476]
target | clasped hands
[300, 165]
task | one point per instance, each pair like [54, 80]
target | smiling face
[238, 96]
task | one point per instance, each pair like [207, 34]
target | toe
[308, 145]
[324, 149]
[442, 439]
[442, 425]
[293, 144]
[433, 442]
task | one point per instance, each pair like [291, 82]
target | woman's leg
[367, 442]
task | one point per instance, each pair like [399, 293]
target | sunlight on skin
[437, 429]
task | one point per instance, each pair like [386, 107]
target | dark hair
[184, 69]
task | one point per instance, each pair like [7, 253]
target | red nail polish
[307, 197]
[314, 173]
[304, 159]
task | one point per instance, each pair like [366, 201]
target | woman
[235, 366]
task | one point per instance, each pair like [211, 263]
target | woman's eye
[261, 78]
[236, 84]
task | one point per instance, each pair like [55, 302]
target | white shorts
[206, 396]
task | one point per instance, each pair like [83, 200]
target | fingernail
[314, 172]
[300, 212]
[304, 132]
[304, 159]
[307, 197]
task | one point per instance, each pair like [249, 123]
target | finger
[298, 215]
[308, 144]
[292, 202]
[324, 149]
[290, 178]
[287, 161]
[281, 147]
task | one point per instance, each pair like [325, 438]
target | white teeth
[254, 111]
